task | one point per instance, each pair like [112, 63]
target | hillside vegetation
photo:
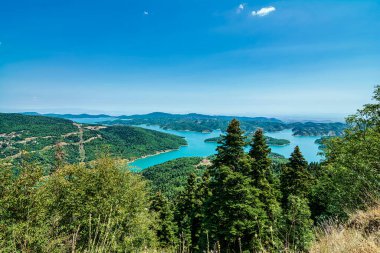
[240, 203]
[360, 234]
[170, 178]
[40, 136]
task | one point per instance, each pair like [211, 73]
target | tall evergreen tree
[231, 147]
[234, 212]
[298, 229]
[295, 178]
[166, 228]
[260, 152]
[189, 214]
[295, 185]
[269, 194]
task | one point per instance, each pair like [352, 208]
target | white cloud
[146, 13]
[241, 8]
[263, 11]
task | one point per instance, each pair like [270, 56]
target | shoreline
[156, 153]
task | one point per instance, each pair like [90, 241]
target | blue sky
[270, 58]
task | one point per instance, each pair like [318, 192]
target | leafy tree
[18, 230]
[98, 207]
[298, 225]
[263, 179]
[59, 157]
[295, 178]
[351, 177]
[79, 200]
[166, 227]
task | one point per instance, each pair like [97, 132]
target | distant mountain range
[68, 116]
[207, 123]
[153, 115]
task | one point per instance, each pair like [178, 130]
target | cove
[197, 147]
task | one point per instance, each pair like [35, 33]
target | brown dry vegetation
[361, 234]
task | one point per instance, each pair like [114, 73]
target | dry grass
[361, 234]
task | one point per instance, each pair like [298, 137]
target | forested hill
[207, 123]
[40, 136]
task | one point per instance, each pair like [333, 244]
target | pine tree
[166, 228]
[263, 179]
[231, 147]
[234, 212]
[295, 184]
[298, 225]
[295, 178]
[189, 214]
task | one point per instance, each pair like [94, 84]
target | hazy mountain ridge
[208, 123]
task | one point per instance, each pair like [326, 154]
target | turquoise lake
[197, 147]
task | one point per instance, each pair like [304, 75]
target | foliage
[189, 214]
[133, 142]
[268, 186]
[235, 214]
[231, 147]
[232, 206]
[75, 208]
[34, 126]
[166, 228]
[321, 141]
[351, 172]
[170, 177]
[317, 129]
[298, 225]
[40, 135]
[295, 177]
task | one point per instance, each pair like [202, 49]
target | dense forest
[170, 178]
[237, 202]
[41, 136]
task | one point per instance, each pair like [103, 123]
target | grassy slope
[361, 234]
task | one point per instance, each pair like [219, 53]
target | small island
[270, 140]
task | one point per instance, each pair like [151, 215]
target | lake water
[197, 147]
